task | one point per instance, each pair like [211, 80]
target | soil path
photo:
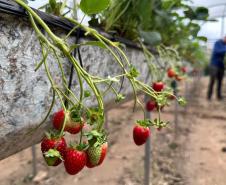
[194, 158]
[205, 159]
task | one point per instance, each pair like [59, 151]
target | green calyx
[119, 98]
[87, 93]
[144, 123]
[159, 123]
[51, 153]
[156, 123]
[94, 116]
[75, 115]
[53, 134]
[133, 72]
[182, 101]
[79, 147]
[96, 138]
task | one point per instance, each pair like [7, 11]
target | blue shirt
[218, 54]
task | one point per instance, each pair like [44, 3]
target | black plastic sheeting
[11, 7]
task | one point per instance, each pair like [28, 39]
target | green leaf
[202, 38]
[96, 133]
[144, 123]
[76, 115]
[82, 146]
[52, 4]
[151, 38]
[94, 43]
[182, 101]
[199, 13]
[133, 72]
[94, 6]
[87, 93]
[95, 138]
[202, 13]
[94, 116]
[144, 10]
[119, 98]
[52, 153]
[189, 13]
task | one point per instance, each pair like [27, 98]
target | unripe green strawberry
[96, 155]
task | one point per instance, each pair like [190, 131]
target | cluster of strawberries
[75, 157]
[152, 104]
[177, 73]
[92, 153]
[141, 130]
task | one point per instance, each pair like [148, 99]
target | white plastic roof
[217, 8]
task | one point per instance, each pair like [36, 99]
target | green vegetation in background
[172, 23]
[169, 22]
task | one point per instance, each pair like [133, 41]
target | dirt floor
[193, 155]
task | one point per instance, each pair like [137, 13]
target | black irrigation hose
[76, 52]
[123, 78]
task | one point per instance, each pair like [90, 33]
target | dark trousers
[216, 74]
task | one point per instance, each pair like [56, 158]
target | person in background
[216, 68]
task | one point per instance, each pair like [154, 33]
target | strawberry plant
[158, 22]
[91, 148]
[55, 7]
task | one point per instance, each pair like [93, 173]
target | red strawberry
[171, 73]
[72, 126]
[58, 119]
[150, 105]
[184, 69]
[158, 86]
[53, 149]
[74, 161]
[96, 155]
[140, 134]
